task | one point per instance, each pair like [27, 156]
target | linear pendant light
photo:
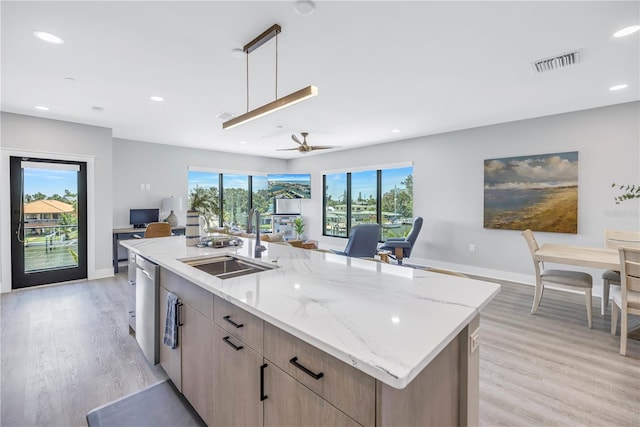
[279, 103]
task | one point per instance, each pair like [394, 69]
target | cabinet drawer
[240, 324]
[347, 388]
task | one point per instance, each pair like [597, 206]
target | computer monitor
[139, 218]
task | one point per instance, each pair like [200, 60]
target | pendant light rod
[279, 103]
[267, 35]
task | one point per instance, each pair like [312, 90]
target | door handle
[235, 347]
[262, 395]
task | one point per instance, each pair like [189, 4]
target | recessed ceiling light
[97, 108]
[48, 37]
[304, 7]
[618, 87]
[223, 115]
[70, 79]
[42, 108]
[395, 130]
[242, 142]
[156, 98]
[238, 53]
[627, 31]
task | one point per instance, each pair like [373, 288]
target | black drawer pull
[306, 370]
[228, 319]
[235, 347]
[179, 313]
[262, 395]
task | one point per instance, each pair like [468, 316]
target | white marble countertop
[385, 320]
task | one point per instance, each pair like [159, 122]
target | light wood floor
[66, 349]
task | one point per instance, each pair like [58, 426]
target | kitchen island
[407, 337]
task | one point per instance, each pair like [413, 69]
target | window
[364, 196]
[225, 199]
[335, 204]
[397, 202]
[262, 202]
[204, 196]
[384, 196]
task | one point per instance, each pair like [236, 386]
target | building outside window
[335, 205]
[384, 196]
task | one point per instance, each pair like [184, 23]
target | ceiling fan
[304, 147]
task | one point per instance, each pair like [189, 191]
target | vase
[172, 219]
[192, 232]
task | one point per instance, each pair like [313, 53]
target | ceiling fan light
[278, 104]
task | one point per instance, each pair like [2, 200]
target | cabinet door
[236, 382]
[197, 360]
[170, 359]
[290, 403]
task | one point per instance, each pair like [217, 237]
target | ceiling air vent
[556, 62]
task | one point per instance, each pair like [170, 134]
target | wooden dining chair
[615, 239]
[562, 279]
[627, 295]
[157, 229]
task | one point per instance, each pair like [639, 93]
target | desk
[128, 233]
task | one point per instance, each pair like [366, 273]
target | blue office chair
[401, 247]
[363, 241]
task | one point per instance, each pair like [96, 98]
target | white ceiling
[417, 66]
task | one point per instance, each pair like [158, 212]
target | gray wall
[165, 168]
[449, 175]
[448, 180]
[45, 138]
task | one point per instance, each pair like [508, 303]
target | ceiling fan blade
[288, 149]
[295, 138]
[323, 147]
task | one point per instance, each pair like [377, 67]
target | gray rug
[156, 406]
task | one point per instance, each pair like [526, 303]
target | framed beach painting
[538, 192]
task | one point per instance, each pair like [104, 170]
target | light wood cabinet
[197, 367]
[350, 390]
[236, 382]
[189, 365]
[290, 403]
[239, 323]
[170, 359]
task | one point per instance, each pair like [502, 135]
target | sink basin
[226, 267]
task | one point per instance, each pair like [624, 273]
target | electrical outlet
[474, 341]
[472, 247]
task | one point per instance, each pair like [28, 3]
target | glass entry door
[48, 221]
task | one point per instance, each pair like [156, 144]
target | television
[139, 218]
[289, 186]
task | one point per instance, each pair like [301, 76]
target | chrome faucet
[257, 253]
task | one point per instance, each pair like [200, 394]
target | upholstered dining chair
[157, 229]
[562, 279]
[615, 239]
[627, 296]
[401, 247]
[363, 241]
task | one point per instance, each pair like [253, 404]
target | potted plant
[298, 225]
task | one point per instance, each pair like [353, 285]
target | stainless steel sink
[226, 266]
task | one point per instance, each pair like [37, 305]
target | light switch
[148, 186]
[142, 186]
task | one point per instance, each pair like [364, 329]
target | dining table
[583, 256]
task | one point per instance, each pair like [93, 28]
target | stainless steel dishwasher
[147, 295]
